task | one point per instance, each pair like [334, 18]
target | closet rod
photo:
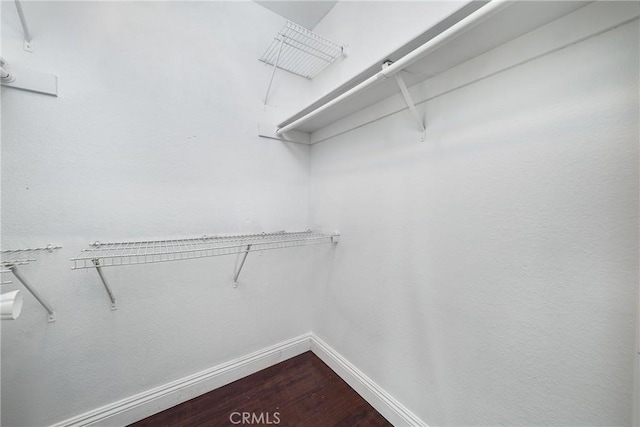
[413, 56]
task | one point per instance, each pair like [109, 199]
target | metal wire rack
[301, 51]
[10, 260]
[109, 254]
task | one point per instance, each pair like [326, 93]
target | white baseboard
[142, 405]
[396, 413]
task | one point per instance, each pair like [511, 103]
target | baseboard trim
[383, 402]
[142, 405]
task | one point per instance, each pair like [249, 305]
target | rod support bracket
[407, 99]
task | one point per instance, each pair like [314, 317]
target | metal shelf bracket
[273, 73]
[18, 275]
[28, 38]
[237, 274]
[96, 262]
[408, 101]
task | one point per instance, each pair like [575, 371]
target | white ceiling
[302, 12]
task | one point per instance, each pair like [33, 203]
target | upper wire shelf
[301, 51]
[106, 254]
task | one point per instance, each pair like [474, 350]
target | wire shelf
[12, 257]
[301, 51]
[107, 254]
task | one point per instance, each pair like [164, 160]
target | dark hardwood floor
[299, 392]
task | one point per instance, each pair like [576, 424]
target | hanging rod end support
[385, 65]
[51, 318]
[114, 307]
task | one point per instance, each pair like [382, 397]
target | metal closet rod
[410, 58]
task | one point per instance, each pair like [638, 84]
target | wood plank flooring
[299, 392]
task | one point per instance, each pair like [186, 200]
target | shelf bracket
[237, 274]
[408, 101]
[28, 39]
[32, 290]
[96, 262]
[273, 73]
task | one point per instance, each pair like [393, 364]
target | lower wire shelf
[109, 254]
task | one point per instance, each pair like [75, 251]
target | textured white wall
[488, 276]
[373, 29]
[153, 135]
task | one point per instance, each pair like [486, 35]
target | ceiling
[302, 12]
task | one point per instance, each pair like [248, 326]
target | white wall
[153, 135]
[371, 30]
[488, 276]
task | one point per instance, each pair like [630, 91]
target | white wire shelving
[300, 51]
[472, 31]
[110, 254]
[12, 258]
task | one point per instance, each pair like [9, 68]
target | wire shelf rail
[110, 254]
[301, 51]
[12, 258]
